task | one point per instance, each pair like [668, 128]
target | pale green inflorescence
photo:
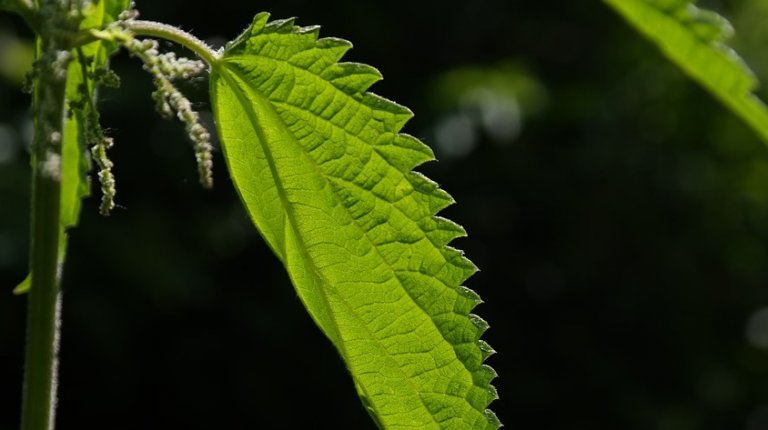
[168, 99]
[166, 68]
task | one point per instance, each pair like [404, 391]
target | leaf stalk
[174, 34]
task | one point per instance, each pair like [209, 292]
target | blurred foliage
[622, 233]
[16, 56]
[482, 100]
[696, 41]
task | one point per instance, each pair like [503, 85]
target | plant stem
[174, 34]
[38, 403]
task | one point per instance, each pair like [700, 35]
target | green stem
[174, 34]
[40, 376]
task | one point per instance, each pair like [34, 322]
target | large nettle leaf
[326, 177]
[694, 39]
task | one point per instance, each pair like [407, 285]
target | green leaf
[326, 177]
[23, 287]
[694, 40]
[75, 161]
[9, 5]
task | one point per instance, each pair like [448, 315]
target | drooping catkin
[165, 68]
[94, 135]
[106, 178]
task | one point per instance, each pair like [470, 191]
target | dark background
[618, 213]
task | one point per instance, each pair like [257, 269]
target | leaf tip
[480, 325]
[486, 349]
[24, 286]
[492, 419]
[259, 22]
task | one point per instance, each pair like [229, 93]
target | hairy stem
[174, 34]
[40, 376]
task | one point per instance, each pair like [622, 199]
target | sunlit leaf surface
[326, 177]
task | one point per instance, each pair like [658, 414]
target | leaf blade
[694, 40]
[326, 177]
[75, 160]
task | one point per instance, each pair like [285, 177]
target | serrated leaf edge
[417, 180]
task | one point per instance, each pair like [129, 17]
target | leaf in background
[16, 58]
[694, 40]
[9, 5]
[327, 179]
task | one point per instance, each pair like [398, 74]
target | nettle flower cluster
[165, 68]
